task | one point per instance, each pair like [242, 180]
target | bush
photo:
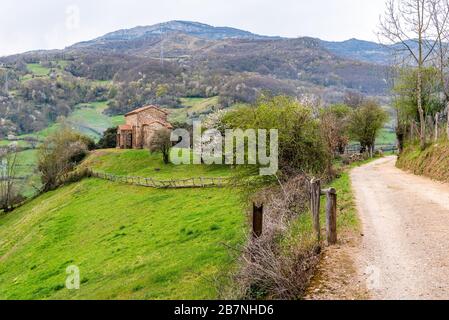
[78, 175]
[88, 142]
[59, 155]
[109, 139]
[301, 148]
[280, 263]
[365, 123]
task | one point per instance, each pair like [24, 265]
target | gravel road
[405, 248]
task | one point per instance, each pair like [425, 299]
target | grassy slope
[432, 162]
[142, 163]
[129, 242]
[26, 167]
[386, 137]
[38, 70]
[90, 120]
[192, 108]
[87, 119]
[196, 108]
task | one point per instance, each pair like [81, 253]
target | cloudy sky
[51, 24]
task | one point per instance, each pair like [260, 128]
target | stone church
[140, 127]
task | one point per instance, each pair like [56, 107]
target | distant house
[141, 125]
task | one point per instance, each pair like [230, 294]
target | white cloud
[48, 24]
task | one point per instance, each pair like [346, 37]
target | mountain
[360, 50]
[353, 49]
[195, 29]
[163, 63]
[284, 63]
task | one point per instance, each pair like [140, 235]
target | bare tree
[440, 16]
[161, 143]
[409, 26]
[353, 99]
[8, 172]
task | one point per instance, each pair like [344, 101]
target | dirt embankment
[433, 162]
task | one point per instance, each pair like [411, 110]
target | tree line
[418, 33]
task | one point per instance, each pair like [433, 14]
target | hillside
[197, 29]
[165, 63]
[194, 45]
[360, 50]
[431, 162]
[129, 242]
[354, 49]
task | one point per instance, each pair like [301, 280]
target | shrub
[280, 263]
[365, 123]
[334, 131]
[88, 142]
[59, 155]
[301, 148]
[78, 175]
[109, 139]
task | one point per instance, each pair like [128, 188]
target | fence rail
[200, 182]
[383, 148]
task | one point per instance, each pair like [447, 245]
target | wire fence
[202, 182]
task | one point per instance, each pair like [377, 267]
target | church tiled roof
[144, 109]
[125, 127]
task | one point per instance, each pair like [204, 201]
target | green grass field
[128, 242]
[38, 70]
[386, 137]
[196, 108]
[90, 119]
[193, 108]
[27, 167]
[142, 163]
[62, 64]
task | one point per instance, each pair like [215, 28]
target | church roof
[139, 110]
[125, 127]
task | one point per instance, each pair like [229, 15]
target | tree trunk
[422, 133]
[437, 117]
[447, 127]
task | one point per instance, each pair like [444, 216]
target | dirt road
[405, 248]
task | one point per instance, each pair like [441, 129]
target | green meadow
[144, 164]
[128, 242]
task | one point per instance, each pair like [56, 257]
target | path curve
[405, 248]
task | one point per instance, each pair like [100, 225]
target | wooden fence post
[331, 216]
[257, 220]
[315, 194]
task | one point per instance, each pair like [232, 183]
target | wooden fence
[201, 182]
[315, 202]
[384, 148]
[331, 210]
